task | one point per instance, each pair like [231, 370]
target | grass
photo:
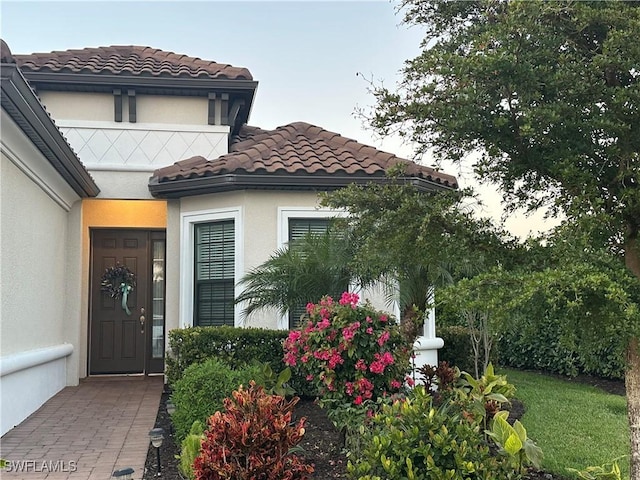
[576, 425]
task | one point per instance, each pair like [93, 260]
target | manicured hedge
[237, 347]
[549, 344]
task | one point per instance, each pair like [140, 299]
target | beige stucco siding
[149, 108]
[122, 184]
[33, 280]
[79, 106]
[262, 230]
[175, 110]
[260, 217]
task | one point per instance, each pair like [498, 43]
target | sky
[314, 61]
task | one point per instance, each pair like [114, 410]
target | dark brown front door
[121, 342]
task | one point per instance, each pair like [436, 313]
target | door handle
[142, 323]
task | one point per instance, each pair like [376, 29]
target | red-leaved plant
[252, 440]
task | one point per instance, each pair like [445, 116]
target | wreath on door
[119, 282]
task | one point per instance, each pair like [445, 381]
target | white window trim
[284, 214]
[187, 257]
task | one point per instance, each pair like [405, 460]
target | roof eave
[181, 83]
[22, 105]
[232, 182]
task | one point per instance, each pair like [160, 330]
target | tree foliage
[399, 232]
[547, 95]
[547, 92]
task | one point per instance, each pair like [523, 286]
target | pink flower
[382, 339]
[383, 318]
[395, 384]
[410, 381]
[294, 336]
[370, 331]
[290, 359]
[365, 387]
[335, 360]
[309, 377]
[361, 365]
[358, 400]
[369, 413]
[322, 355]
[347, 334]
[349, 299]
[323, 324]
[387, 358]
[369, 320]
[348, 388]
[310, 307]
[377, 367]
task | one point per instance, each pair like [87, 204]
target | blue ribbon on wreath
[125, 296]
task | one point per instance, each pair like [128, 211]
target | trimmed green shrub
[202, 389]
[416, 439]
[236, 346]
[457, 350]
[549, 344]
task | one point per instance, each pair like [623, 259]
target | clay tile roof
[297, 149]
[129, 60]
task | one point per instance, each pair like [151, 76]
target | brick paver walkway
[85, 432]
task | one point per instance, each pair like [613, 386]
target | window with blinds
[214, 273]
[298, 229]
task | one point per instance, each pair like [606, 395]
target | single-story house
[144, 158]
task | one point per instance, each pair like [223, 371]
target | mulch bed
[321, 442]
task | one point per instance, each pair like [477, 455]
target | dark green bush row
[550, 345]
[457, 349]
[202, 389]
[237, 347]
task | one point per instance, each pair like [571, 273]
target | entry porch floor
[86, 432]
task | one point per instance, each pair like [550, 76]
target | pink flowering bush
[352, 354]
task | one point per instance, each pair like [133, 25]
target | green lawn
[575, 425]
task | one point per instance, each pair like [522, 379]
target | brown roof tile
[129, 60]
[297, 149]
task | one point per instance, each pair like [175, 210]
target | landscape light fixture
[171, 408]
[157, 436]
[123, 474]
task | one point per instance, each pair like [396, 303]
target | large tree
[548, 95]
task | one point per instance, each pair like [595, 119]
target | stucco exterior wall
[33, 264]
[260, 216]
[172, 274]
[149, 108]
[165, 109]
[38, 290]
[263, 227]
[78, 105]
[122, 185]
